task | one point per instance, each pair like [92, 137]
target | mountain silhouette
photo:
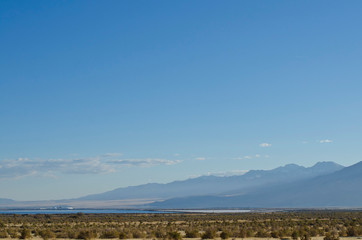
[338, 189]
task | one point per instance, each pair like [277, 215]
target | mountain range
[341, 188]
[326, 184]
[213, 185]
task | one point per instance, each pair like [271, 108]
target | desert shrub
[192, 234]
[295, 235]
[352, 232]
[72, 234]
[242, 233]
[274, 234]
[35, 232]
[138, 234]
[331, 236]
[209, 234]
[86, 235]
[25, 234]
[262, 234]
[224, 235]
[110, 234]
[13, 233]
[60, 233]
[47, 234]
[249, 233]
[305, 236]
[4, 234]
[124, 235]
[160, 234]
[174, 235]
[313, 232]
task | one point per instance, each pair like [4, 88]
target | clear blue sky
[96, 95]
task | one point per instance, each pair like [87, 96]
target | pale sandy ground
[113, 204]
[313, 238]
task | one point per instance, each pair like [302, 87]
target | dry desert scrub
[292, 225]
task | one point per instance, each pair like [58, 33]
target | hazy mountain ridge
[6, 201]
[213, 185]
[206, 191]
[338, 189]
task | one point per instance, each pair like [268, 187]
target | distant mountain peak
[289, 168]
[326, 163]
[326, 166]
[292, 166]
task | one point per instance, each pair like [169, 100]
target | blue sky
[96, 95]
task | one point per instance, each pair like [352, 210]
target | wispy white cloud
[22, 167]
[223, 173]
[265, 145]
[249, 157]
[229, 173]
[112, 155]
[325, 141]
[200, 158]
[103, 164]
[147, 162]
